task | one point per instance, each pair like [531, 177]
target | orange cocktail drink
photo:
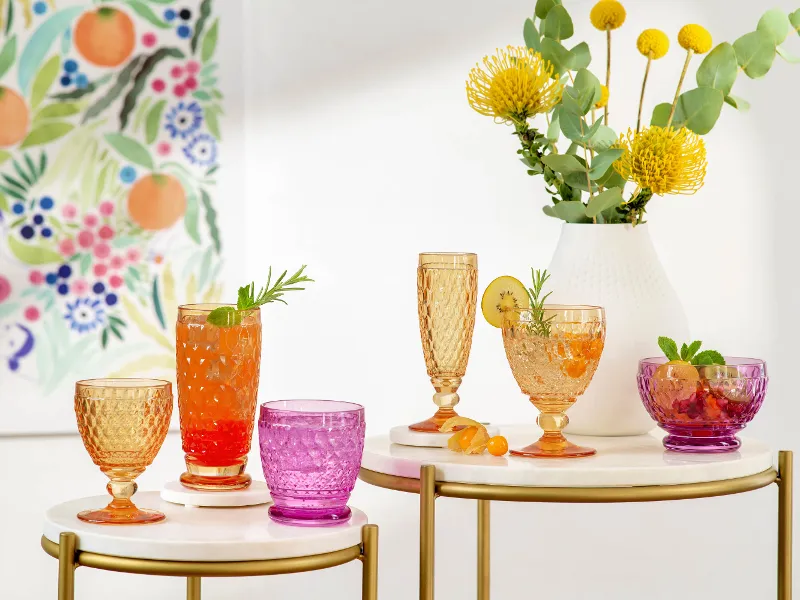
[218, 369]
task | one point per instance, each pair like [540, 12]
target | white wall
[361, 152]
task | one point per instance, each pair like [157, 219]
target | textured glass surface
[553, 356]
[122, 423]
[702, 408]
[218, 372]
[447, 295]
[311, 452]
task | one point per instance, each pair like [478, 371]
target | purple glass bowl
[311, 452]
[702, 408]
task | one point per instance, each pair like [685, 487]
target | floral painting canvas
[109, 156]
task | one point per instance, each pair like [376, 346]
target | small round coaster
[256, 493]
[405, 437]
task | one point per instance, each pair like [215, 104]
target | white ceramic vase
[616, 267]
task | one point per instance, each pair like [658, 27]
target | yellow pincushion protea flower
[653, 43]
[603, 97]
[665, 160]
[695, 37]
[607, 14]
[513, 85]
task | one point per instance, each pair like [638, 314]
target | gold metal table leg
[785, 483]
[193, 588]
[369, 556]
[484, 543]
[427, 530]
[67, 546]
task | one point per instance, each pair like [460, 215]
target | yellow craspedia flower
[607, 14]
[695, 37]
[653, 42]
[603, 97]
[666, 160]
[513, 85]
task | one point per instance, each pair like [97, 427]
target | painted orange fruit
[13, 117]
[105, 37]
[156, 202]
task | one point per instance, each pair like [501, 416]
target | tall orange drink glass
[218, 370]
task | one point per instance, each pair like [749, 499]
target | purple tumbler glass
[311, 452]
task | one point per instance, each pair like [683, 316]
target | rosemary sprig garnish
[228, 316]
[539, 325]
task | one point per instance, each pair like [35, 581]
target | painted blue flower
[40, 8]
[46, 232]
[18, 208]
[66, 80]
[184, 119]
[70, 66]
[127, 174]
[85, 314]
[46, 202]
[27, 232]
[184, 31]
[202, 150]
[169, 15]
[81, 81]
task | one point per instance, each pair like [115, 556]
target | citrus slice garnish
[503, 294]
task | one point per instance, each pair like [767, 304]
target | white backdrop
[360, 151]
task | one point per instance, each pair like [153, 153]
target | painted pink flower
[192, 67]
[133, 255]
[115, 281]
[179, 91]
[106, 232]
[102, 250]
[159, 85]
[70, 211]
[67, 247]
[36, 277]
[5, 288]
[32, 313]
[90, 220]
[80, 287]
[107, 208]
[117, 262]
[100, 269]
[149, 40]
[190, 83]
[176, 72]
[163, 148]
[85, 239]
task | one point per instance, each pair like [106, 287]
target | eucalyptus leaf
[738, 103]
[794, 19]
[549, 211]
[562, 59]
[586, 80]
[604, 138]
[776, 24]
[787, 56]
[755, 52]
[554, 129]
[558, 24]
[572, 211]
[603, 201]
[719, 69]
[701, 108]
[531, 36]
[562, 163]
[582, 56]
[612, 179]
[543, 7]
[602, 162]
[576, 130]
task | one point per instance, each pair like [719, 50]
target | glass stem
[446, 397]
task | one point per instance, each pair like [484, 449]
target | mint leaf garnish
[684, 351]
[708, 357]
[669, 348]
[224, 316]
[693, 348]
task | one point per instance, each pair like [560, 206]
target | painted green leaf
[8, 55]
[211, 220]
[755, 53]
[786, 55]
[4, 207]
[582, 56]
[531, 36]
[122, 81]
[719, 69]
[601, 163]
[205, 13]
[58, 110]
[46, 133]
[562, 163]
[4, 156]
[140, 79]
[776, 24]
[586, 80]
[603, 201]
[153, 121]
[573, 211]
[31, 254]
[202, 95]
[210, 42]
[44, 80]
[131, 150]
[39, 44]
[543, 7]
[78, 93]
[561, 58]
[212, 122]
[558, 24]
[794, 19]
[191, 218]
[737, 103]
[147, 13]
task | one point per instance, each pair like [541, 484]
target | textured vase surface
[616, 267]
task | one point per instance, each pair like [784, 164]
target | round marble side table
[625, 469]
[204, 542]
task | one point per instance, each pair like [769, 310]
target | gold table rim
[174, 568]
[593, 495]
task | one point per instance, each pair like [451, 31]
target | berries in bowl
[701, 399]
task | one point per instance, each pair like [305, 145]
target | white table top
[199, 534]
[619, 462]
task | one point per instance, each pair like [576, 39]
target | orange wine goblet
[123, 423]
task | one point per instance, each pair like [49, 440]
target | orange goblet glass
[123, 423]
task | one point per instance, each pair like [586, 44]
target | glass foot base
[309, 518]
[117, 516]
[702, 445]
[215, 484]
[433, 424]
[549, 450]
